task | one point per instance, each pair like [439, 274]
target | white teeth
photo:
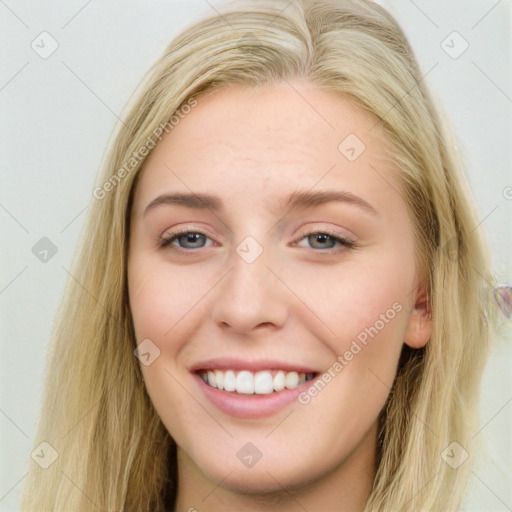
[229, 381]
[278, 383]
[259, 383]
[263, 383]
[245, 383]
[291, 380]
[219, 379]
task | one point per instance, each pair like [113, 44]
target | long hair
[113, 451]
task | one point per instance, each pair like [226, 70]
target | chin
[275, 471]
[263, 480]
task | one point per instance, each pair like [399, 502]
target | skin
[298, 301]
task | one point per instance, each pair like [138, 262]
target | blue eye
[188, 240]
[326, 241]
[197, 240]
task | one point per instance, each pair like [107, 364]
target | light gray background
[57, 114]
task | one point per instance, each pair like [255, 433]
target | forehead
[247, 143]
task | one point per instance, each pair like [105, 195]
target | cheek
[365, 351]
[371, 324]
[165, 303]
[365, 308]
[164, 299]
[361, 300]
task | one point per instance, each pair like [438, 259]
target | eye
[185, 240]
[322, 240]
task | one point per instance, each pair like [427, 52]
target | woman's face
[297, 272]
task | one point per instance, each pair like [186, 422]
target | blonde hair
[113, 451]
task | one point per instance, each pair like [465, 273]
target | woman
[280, 296]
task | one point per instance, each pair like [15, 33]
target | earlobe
[419, 327]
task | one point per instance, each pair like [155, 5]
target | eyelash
[166, 241]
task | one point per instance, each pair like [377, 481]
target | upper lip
[230, 363]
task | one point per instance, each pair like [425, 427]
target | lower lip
[250, 406]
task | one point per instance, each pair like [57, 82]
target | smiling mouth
[263, 382]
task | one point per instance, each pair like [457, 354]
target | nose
[251, 298]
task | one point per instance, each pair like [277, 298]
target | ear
[419, 324]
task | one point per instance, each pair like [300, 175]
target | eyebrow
[298, 198]
[308, 198]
